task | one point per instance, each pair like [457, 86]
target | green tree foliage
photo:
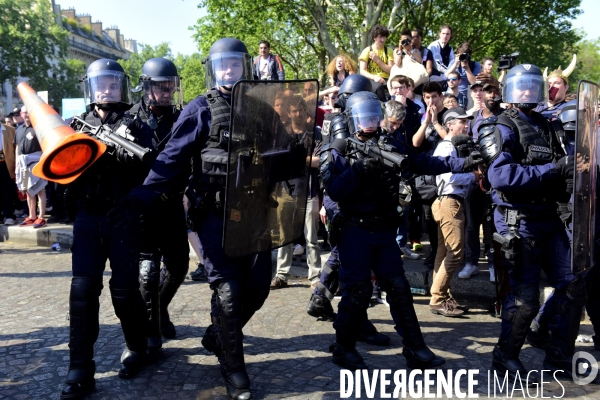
[308, 33]
[29, 39]
[190, 69]
[65, 84]
[133, 66]
[192, 75]
[588, 63]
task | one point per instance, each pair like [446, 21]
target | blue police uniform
[367, 242]
[240, 284]
[526, 196]
[95, 240]
[170, 174]
[164, 238]
[550, 112]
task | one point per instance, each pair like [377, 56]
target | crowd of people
[456, 149]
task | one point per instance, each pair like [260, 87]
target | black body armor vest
[210, 166]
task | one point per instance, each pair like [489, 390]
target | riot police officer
[367, 196]
[528, 171]
[241, 284]
[96, 239]
[319, 305]
[165, 230]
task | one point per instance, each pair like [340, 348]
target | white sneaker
[468, 271]
[408, 253]
[9, 221]
[298, 250]
[492, 274]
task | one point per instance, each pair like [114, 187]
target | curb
[477, 287]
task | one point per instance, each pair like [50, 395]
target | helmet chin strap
[368, 135]
[227, 88]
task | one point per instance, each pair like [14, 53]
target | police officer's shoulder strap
[505, 120]
[527, 133]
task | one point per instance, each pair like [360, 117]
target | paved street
[286, 349]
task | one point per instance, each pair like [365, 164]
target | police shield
[584, 185]
[271, 137]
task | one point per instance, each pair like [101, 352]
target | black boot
[502, 364]
[345, 354]
[153, 351]
[320, 307]
[199, 275]
[416, 352]
[169, 288]
[131, 364]
[369, 334]
[79, 382]
[84, 327]
[560, 351]
[422, 358]
[131, 310]
[539, 335]
[233, 367]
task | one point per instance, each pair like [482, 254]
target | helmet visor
[163, 91]
[106, 87]
[225, 69]
[365, 116]
[521, 89]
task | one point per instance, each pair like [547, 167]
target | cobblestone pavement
[286, 349]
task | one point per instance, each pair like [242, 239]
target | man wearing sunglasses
[426, 54]
[453, 84]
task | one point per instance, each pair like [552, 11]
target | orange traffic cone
[65, 153]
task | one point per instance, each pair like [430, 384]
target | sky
[588, 20]
[147, 21]
[153, 22]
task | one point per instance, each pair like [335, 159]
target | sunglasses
[452, 79]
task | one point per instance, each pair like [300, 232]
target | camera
[406, 42]
[507, 61]
[464, 57]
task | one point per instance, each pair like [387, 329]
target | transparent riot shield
[271, 140]
[584, 185]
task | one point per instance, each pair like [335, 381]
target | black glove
[127, 213]
[472, 161]
[366, 166]
[565, 166]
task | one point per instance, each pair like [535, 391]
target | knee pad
[359, 294]
[127, 302]
[397, 288]
[229, 298]
[149, 275]
[84, 293]
[527, 299]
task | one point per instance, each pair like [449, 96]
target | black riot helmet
[568, 116]
[228, 62]
[524, 87]
[364, 113]
[107, 86]
[161, 83]
[352, 84]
